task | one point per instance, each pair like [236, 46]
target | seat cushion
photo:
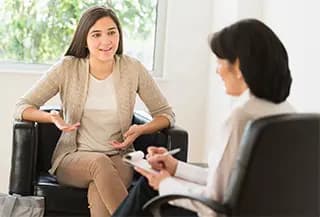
[64, 199]
[59, 198]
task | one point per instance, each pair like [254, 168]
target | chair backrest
[277, 170]
[48, 135]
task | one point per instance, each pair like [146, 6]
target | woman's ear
[241, 82]
[237, 70]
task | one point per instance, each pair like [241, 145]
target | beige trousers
[106, 177]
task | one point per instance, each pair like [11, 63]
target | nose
[106, 39]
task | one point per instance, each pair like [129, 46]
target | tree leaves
[39, 31]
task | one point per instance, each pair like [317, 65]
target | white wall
[297, 24]
[191, 85]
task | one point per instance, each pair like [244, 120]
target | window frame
[159, 39]
[158, 56]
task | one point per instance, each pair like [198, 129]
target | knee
[101, 163]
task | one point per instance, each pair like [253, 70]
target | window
[39, 31]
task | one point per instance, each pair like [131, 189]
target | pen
[172, 152]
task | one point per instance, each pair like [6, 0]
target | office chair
[276, 172]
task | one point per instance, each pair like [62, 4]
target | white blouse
[100, 123]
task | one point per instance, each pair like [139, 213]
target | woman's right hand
[159, 160]
[61, 124]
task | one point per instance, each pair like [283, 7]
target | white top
[210, 183]
[100, 122]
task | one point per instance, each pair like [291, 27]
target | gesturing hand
[134, 132]
[61, 124]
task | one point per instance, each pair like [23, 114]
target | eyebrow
[111, 28]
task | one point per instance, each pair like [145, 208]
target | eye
[96, 35]
[113, 32]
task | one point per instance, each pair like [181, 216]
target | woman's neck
[100, 69]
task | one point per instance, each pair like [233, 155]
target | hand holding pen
[172, 152]
[160, 158]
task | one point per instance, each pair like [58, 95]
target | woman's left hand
[134, 132]
[154, 179]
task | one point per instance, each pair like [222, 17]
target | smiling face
[232, 77]
[103, 39]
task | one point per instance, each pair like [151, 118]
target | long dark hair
[78, 46]
[263, 58]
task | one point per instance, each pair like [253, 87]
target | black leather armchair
[33, 145]
[276, 173]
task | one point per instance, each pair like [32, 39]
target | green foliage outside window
[39, 31]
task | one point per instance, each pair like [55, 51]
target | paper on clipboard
[136, 159]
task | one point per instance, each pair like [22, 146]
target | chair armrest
[170, 138]
[23, 161]
[177, 138]
[154, 205]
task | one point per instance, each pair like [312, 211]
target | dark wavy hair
[263, 58]
[78, 46]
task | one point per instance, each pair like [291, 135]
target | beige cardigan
[70, 78]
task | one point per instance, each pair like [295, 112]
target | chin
[106, 59]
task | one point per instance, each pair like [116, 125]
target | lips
[105, 49]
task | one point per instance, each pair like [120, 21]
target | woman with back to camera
[97, 85]
[253, 64]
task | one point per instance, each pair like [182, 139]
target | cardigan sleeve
[43, 90]
[152, 97]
